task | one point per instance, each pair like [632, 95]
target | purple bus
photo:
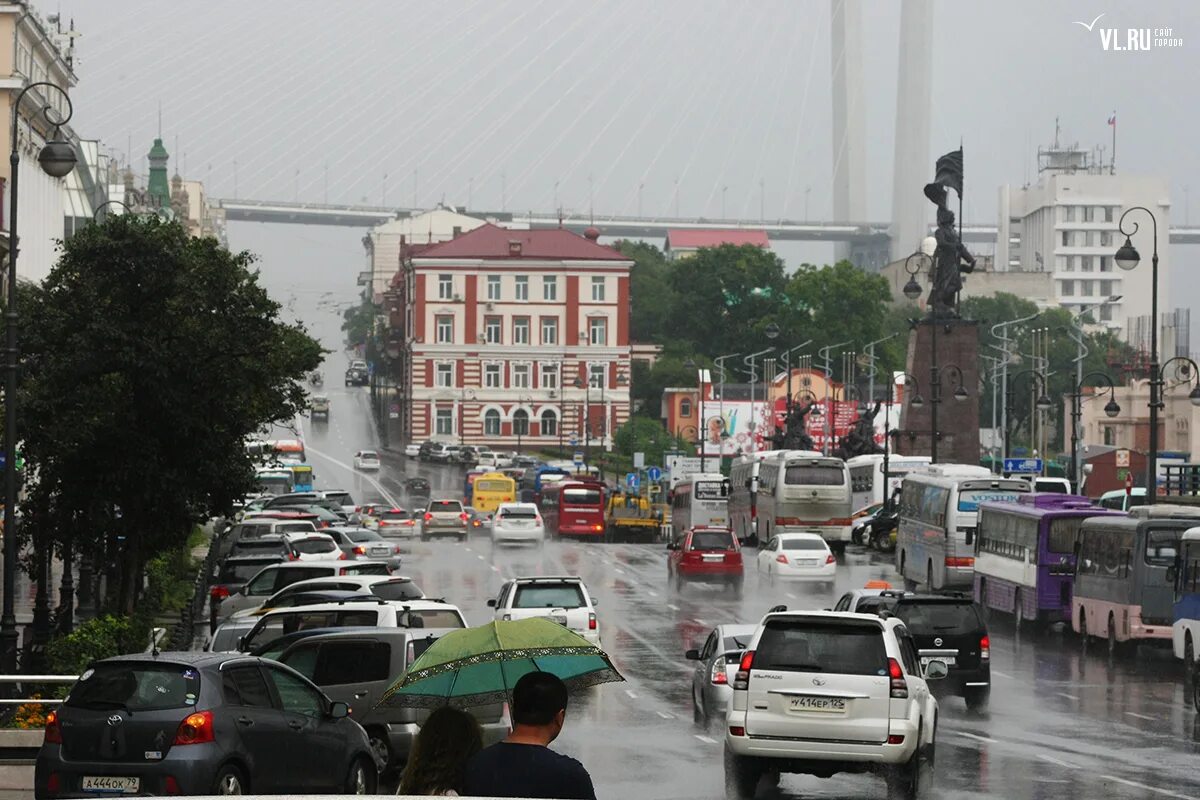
[1025, 555]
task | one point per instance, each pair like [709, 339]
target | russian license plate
[716, 557]
[947, 660]
[717, 520]
[828, 705]
[807, 562]
[111, 785]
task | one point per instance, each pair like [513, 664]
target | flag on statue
[949, 171]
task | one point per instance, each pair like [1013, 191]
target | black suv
[945, 627]
[356, 377]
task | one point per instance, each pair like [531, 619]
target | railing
[67, 680]
[1182, 480]
[184, 632]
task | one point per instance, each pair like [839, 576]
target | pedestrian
[437, 763]
[523, 765]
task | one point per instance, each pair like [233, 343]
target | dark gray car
[357, 666]
[200, 723]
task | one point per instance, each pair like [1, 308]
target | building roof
[493, 242]
[699, 237]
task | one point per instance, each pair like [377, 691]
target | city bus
[533, 484]
[700, 501]
[743, 490]
[288, 451]
[939, 510]
[573, 508]
[271, 480]
[302, 478]
[1122, 590]
[1025, 555]
[1185, 616]
[867, 484]
[799, 493]
[491, 489]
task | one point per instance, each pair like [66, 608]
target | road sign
[639, 460]
[631, 480]
[578, 458]
[1129, 483]
[1024, 466]
[1121, 458]
[574, 440]
[654, 474]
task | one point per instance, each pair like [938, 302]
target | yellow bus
[491, 489]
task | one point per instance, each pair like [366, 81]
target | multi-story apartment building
[512, 339]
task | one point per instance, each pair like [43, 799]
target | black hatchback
[948, 628]
[197, 724]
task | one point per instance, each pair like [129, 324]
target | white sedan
[518, 523]
[366, 460]
[315, 547]
[797, 557]
[412, 450]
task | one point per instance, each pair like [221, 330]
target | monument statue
[860, 439]
[950, 259]
[794, 435]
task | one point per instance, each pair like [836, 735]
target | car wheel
[361, 779]
[977, 698]
[229, 780]
[381, 748]
[1189, 668]
[679, 583]
[741, 776]
[904, 781]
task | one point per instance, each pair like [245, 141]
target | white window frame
[550, 324]
[518, 337]
[445, 287]
[598, 324]
[443, 369]
[448, 329]
[443, 415]
[488, 328]
[548, 370]
[550, 288]
[520, 369]
[598, 376]
[552, 415]
[521, 287]
[492, 414]
[599, 289]
[493, 287]
[492, 370]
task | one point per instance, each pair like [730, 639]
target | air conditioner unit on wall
[490, 306]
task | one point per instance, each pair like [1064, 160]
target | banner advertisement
[734, 428]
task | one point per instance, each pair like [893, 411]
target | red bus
[574, 508]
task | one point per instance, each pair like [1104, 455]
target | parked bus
[272, 480]
[1122, 591]
[867, 484]
[743, 490]
[801, 493]
[1025, 555]
[491, 489]
[573, 508]
[939, 510]
[288, 451]
[1185, 626]
[469, 485]
[700, 501]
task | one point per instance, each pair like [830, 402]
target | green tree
[358, 323]
[642, 435]
[650, 290]
[151, 357]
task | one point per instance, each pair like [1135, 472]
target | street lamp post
[57, 159]
[912, 290]
[916, 402]
[749, 361]
[1041, 403]
[587, 414]
[827, 427]
[1111, 409]
[1127, 258]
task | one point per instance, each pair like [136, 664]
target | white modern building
[1066, 224]
[383, 242]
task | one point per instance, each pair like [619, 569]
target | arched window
[491, 423]
[685, 407]
[549, 423]
[521, 422]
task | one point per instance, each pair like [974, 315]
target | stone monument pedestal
[957, 420]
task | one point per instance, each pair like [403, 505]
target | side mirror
[241, 644]
[339, 710]
[670, 545]
[692, 655]
[936, 670]
[491, 602]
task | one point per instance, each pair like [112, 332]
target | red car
[707, 555]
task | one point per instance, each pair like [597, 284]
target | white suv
[563, 599]
[820, 692]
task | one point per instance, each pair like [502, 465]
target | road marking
[672, 606]
[1004, 675]
[1155, 789]
[1057, 762]
[495, 568]
[705, 739]
[974, 736]
[378, 486]
[1068, 696]
[632, 694]
[698, 621]
[479, 556]
[468, 548]
[652, 593]
[665, 715]
[1140, 716]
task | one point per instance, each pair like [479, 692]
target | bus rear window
[581, 497]
[814, 475]
[1161, 547]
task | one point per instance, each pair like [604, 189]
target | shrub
[95, 639]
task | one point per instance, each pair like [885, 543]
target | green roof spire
[159, 188]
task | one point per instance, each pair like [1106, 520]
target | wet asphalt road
[1062, 724]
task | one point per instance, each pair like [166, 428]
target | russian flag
[1113, 120]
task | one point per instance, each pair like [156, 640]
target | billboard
[733, 428]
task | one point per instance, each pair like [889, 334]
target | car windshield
[562, 595]
[581, 497]
[712, 540]
[314, 546]
[939, 617]
[363, 536]
[814, 475]
[801, 543]
[134, 686]
[818, 646]
[518, 513]
[397, 590]
[429, 618]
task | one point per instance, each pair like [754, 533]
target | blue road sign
[654, 473]
[1026, 466]
[578, 457]
[631, 480]
[574, 441]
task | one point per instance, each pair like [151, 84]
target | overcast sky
[366, 100]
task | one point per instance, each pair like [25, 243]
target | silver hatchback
[716, 662]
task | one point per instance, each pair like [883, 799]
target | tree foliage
[358, 322]
[151, 356]
[642, 435]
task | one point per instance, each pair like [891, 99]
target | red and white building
[513, 334]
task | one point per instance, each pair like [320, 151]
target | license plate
[717, 520]
[827, 705]
[111, 785]
[807, 562]
[717, 557]
[947, 660]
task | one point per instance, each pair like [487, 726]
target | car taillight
[293, 557]
[899, 685]
[359, 550]
[53, 731]
[171, 786]
[737, 730]
[985, 648]
[591, 622]
[538, 520]
[781, 559]
[53, 783]
[895, 738]
[718, 675]
[960, 562]
[831, 559]
[742, 679]
[598, 528]
[218, 593]
[428, 516]
[195, 729]
[463, 516]
[341, 556]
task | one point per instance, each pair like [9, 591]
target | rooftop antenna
[160, 119]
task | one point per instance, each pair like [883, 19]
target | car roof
[191, 658]
[363, 580]
[548, 579]
[736, 629]
[376, 633]
[367, 605]
[800, 535]
[821, 615]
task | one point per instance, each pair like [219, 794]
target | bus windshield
[1161, 547]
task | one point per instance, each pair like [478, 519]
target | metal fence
[182, 634]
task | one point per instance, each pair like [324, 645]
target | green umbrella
[480, 666]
